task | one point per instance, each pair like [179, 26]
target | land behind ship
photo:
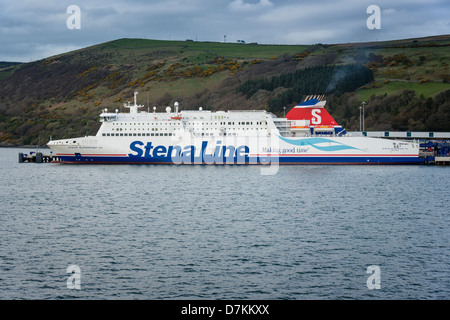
[405, 83]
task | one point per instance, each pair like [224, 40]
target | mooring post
[38, 157]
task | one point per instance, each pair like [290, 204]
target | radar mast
[133, 108]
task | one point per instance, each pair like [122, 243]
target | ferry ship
[306, 135]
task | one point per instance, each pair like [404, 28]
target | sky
[31, 30]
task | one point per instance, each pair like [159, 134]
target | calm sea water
[223, 232]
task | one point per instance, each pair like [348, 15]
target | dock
[436, 152]
[442, 161]
[37, 157]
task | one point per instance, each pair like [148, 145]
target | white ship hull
[245, 137]
[236, 150]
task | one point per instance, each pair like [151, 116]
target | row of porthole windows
[212, 134]
[228, 129]
[161, 134]
[240, 123]
[146, 123]
[197, 134]
[245, 123]
[143, 129]
[203, 129]
[137, 134]
[248, 123]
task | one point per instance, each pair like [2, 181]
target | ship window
[121, 134]
[152, 134]
[103, 134]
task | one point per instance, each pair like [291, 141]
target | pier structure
[442, 161]
[436, 152]
[37, 157]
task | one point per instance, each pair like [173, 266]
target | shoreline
[25, 146]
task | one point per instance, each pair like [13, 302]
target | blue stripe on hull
[259, 160]
[351, 160]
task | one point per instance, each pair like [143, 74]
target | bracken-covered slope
[405, 83]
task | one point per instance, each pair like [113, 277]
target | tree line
[329, 79]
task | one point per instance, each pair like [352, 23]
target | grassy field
[212, 49]
[8, 70]
[427, 89]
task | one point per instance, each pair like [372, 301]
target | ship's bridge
[106, 116]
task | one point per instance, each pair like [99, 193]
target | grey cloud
[34, 29]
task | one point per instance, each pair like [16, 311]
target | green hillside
[406, 83]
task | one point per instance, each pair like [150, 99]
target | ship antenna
[134, 108]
